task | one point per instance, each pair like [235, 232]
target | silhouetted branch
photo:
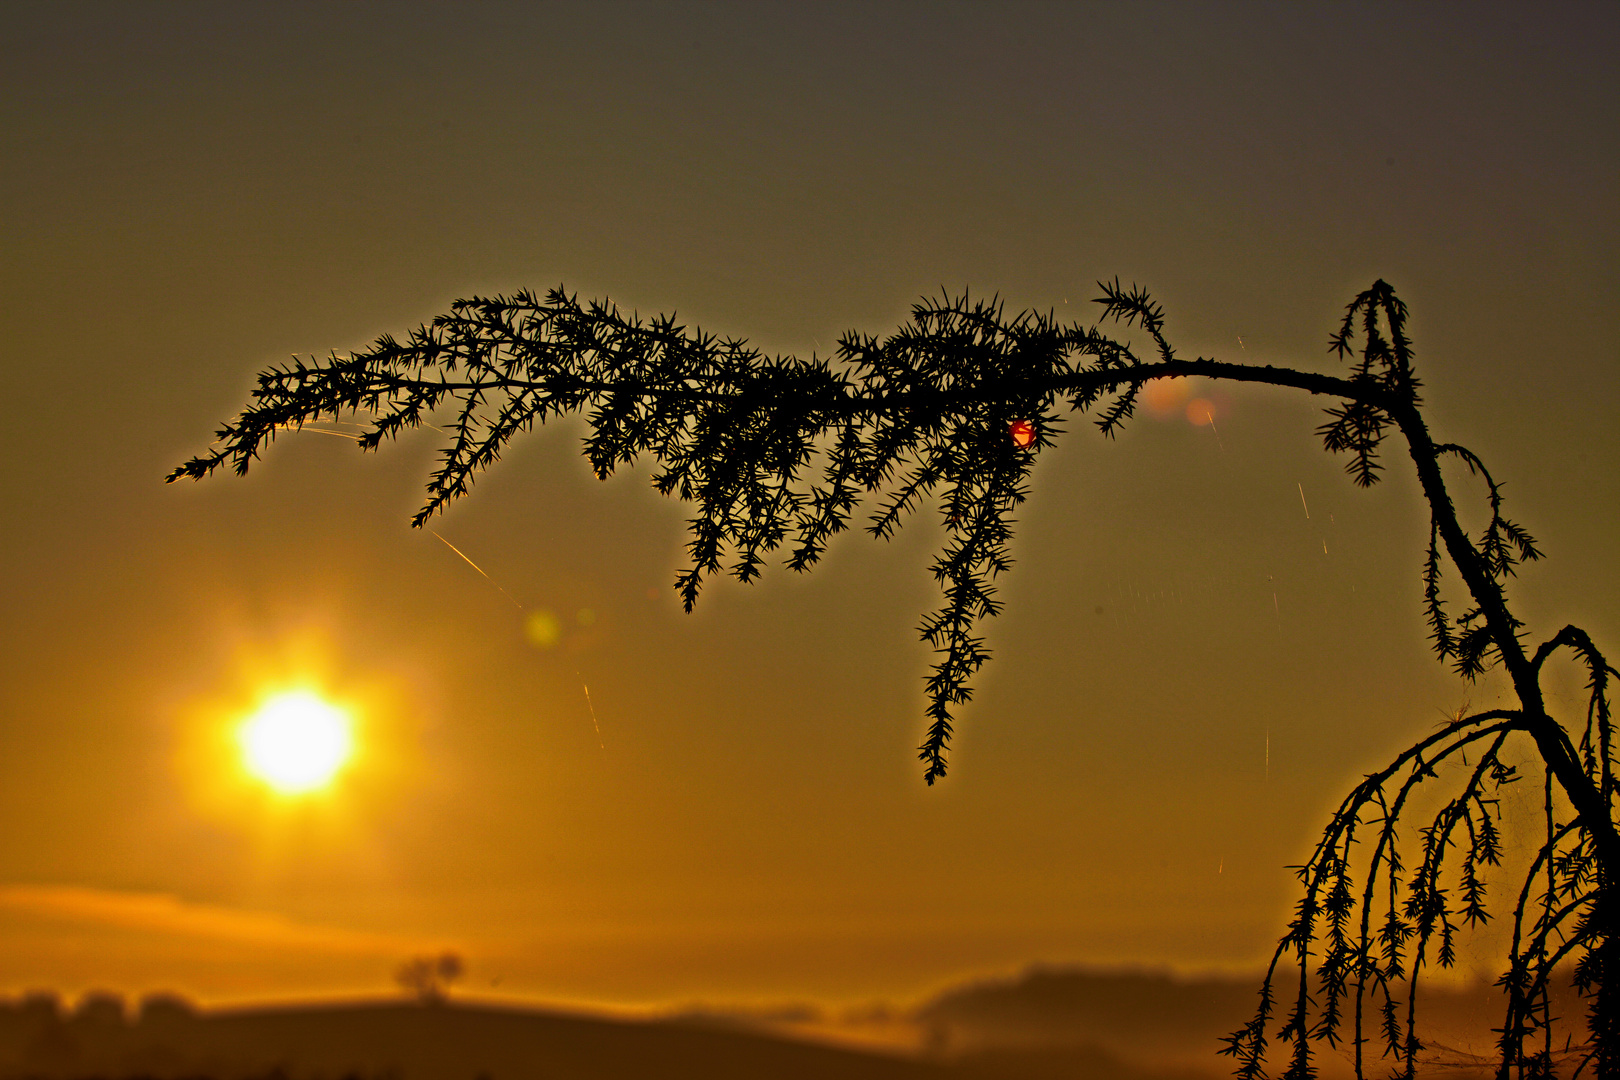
[779, 453]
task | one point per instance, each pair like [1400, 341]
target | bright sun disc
[296, 742]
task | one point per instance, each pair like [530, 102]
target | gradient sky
[1210, 632]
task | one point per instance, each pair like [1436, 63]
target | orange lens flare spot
[1200, 411]
[1022, 433]
[1165, 398]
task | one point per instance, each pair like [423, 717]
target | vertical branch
[1547, 916]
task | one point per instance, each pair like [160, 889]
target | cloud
[166, 914]
[1156, 1017]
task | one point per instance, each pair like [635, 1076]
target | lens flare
[1200, 412]
[1165, 398]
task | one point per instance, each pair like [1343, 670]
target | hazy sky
[1210, 635]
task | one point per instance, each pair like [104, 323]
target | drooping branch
[1326, 877]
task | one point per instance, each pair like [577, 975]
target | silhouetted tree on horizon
[780, 452]
[428, 978]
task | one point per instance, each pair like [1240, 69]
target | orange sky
[1210, 633]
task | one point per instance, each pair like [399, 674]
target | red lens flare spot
[1023, 434]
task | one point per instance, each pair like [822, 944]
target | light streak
[316, 430]
[597, 727]
[476, 567]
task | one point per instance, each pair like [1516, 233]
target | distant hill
[417, 1042]
[1042, 1024]
[1043, 1021]
[466, 1042]
[1128, 1011]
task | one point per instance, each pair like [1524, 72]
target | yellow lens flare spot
[543, 629]
[296, 742]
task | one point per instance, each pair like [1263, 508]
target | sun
[296, 742]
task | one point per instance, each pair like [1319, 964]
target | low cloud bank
[1159, 1020]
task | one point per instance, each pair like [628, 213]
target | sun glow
[296, 742]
